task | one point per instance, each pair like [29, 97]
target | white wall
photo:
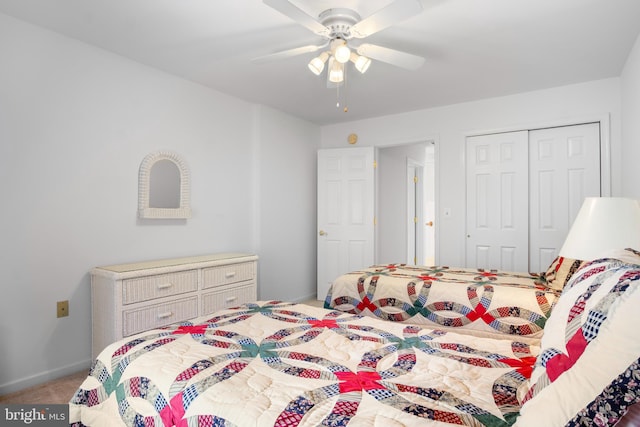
[288, 207]
[75, 123]
[631, 123]
[449, 125]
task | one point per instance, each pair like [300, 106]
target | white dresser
[131, 298]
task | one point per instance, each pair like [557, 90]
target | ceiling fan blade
[391, 56]
[395, 12]
[288, 53]
[300, 16]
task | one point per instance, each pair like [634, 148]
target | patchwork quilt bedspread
[281, 364]
[489, 301]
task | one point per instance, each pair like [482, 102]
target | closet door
[524, 190]
[497, 201]
[564, 168]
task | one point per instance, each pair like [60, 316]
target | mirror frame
[144, 188]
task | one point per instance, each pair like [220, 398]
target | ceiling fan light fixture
[361, 63]
[338, 26]
[316, 65]
[336, 71]
[343, 53]
[340, 50]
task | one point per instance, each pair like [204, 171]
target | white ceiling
[474, 49]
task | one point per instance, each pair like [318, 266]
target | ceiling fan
[338, 26]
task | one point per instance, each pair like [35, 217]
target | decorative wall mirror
[164, 187]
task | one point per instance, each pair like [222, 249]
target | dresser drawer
[155, 316]
[161, 285]
[227, 274]
[130, 298]
[228, 297]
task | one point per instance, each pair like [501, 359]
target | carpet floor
[52, 392]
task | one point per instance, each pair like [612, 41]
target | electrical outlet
[63, 308]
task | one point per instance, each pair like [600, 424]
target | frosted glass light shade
[361, 63]
[316, 65]
[603, 224]
[336, 71]
[342, 54]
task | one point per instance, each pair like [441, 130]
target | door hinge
[375, 221]
[415, 219]
[415, 179]
[375, 164]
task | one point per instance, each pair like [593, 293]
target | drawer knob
[165, 315]
[165, 286]
[230, 274]
[230, 299]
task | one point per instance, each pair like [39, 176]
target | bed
[273, 363]
[488, 301]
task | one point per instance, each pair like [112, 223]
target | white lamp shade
[316, 65]
[603, 225]
[342, 54]
[361, 63]
[336, 71]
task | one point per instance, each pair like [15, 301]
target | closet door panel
[497, 217]
[564, 165]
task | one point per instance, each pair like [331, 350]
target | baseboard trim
[305, 298]
[43, 377]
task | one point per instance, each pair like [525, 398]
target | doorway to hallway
[406, 224]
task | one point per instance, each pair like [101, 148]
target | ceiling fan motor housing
[339, 21]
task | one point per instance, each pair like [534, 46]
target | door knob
[430, 224]
[322, 233]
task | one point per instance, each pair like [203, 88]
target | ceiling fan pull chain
[346, 94]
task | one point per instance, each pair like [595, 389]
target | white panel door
[429, 207]
[345, 213]
[497, 200]
[415, 214]
[564, 168]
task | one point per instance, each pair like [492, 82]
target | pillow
[588, 370]
[628, 255]
[560, 271]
